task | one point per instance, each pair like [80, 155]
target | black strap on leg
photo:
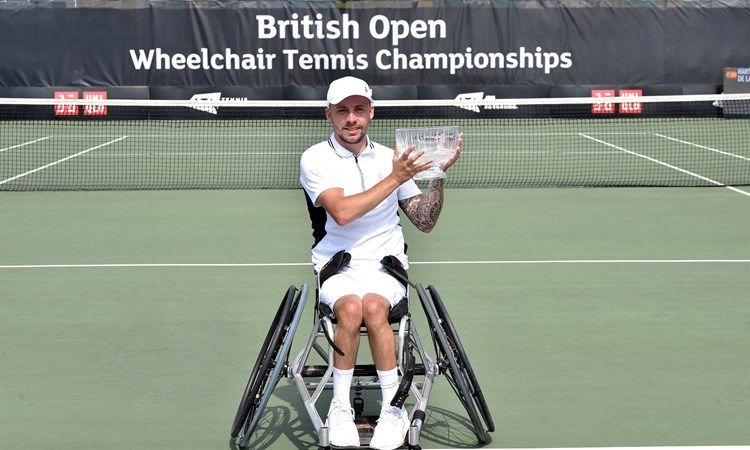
[337, 262]
[325, 311]
[394, 267]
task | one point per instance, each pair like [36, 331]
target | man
[360, 185]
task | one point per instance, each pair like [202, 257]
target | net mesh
[127, 144]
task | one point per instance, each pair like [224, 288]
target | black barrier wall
[302, 46]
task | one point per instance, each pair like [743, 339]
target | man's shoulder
[380, 147]
[317, 152]
[381, 150]
[317, 148]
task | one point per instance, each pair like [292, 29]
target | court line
[703, 147]
[7, 180]
[24, 144]
[297, 154]
[561, 133]
[592, 261]
[662, 163]
[661, 447]
[416, 263]
[158, 154]
[539, 152]
[183, 136]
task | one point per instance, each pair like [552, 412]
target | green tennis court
[593, 317]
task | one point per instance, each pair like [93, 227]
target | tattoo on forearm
[424, 210]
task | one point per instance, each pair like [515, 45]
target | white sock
[388, 384]
[342, 383]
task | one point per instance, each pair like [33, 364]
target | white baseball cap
[347, 87]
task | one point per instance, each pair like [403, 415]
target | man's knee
[375, 310]
[349, 311]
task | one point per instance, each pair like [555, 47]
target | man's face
[350, 119]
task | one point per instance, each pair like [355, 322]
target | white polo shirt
[376, 234]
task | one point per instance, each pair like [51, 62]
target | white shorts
[360, 280]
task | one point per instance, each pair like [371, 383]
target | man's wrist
[395, 179]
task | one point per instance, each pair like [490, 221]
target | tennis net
[699, 140]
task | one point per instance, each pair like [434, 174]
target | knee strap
[396, 269]
[337, 262]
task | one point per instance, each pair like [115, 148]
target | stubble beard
[355, 141]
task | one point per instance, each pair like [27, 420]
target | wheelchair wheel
[454, 363]
[261, 378]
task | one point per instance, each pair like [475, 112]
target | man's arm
[424, 209]
[345, 209]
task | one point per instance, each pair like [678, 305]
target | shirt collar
[344, 153]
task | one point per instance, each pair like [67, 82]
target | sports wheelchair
[416, 367]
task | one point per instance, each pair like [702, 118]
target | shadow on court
[291, 423]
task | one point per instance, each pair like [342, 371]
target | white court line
[126, 265]
[416, 263]
[200, 135]
[538, 152]
[593, 261]
[25, 143]
[703, 147]
[664, 447]
[559, 133]
[159, 154]
[7, 180]
[181, 136]
[662, 163]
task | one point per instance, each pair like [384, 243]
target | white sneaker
[341, 429]
[391, 429]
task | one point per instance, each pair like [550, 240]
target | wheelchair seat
[398, 311]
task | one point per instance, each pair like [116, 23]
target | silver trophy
[439, 145]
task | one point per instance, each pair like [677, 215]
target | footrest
[365, 370]
[366, 427]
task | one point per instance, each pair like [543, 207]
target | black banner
[417, 47]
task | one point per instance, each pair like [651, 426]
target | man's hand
[406, 166]
[453, 159]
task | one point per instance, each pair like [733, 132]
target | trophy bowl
[439, 145]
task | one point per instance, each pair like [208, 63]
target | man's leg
[375, 310]
[393, 422]
[346, 335]
[342, 431]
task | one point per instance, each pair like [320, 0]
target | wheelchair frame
[312, 379]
